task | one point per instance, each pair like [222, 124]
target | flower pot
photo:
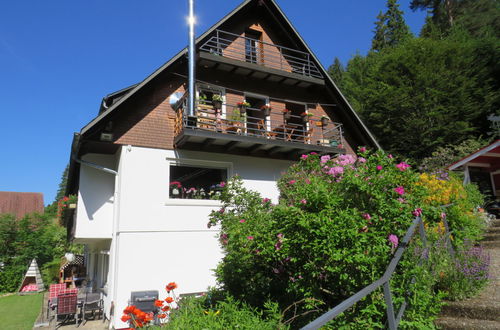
[217, 104]
[324, 121]
[243, 109]
[287, 115]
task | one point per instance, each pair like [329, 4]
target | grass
[19, 312]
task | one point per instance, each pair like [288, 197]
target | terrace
[255, 131]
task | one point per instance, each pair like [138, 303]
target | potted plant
[243, 107]
[217, 101]
[306, 117]
[324, 120]
[287, 114]
[266, 109]
[175, 189]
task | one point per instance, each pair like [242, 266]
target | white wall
[95, 199]
[161, 241]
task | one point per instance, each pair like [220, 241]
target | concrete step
[493, 230]
[489, 236]
[466, 324]
[495, 223]
[490, 244]
[473, 309]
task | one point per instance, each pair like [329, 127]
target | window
[252, 43]
[196, 182]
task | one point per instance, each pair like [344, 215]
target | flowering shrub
[63, 204]
[333, 232]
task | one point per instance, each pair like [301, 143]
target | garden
[336, 227]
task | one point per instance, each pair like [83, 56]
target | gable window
[252, 44]
[190, 181]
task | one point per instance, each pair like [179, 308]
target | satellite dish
[174, 98]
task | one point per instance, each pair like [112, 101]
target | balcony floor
[213, 141]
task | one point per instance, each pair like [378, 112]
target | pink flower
[417, 212]
[379, 167]
[265, 200]
[336, 170]
[362, 149]
[303, 201]
[222, 184]
[242, 221]
[308, 181]
[313, 153]
[401, 200]
[402, 166]
[325, 158]
[361, 160]
[291, 182]
[400, 190]
[393, 239]
[390, 156]
[443, 215]
[346, 160]
[250, 237]
[367, 216]
[280, 236]
[222, 210]
[304, 157]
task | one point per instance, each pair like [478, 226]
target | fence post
[390, 307]
[421, 230]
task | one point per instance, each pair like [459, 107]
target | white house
[146, 171]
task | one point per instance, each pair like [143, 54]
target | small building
[146, 171]
[20, 203]
[482, 168]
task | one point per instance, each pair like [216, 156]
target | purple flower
[222, 184]
[325, 158]
[361, 160]
[277, 246]
[367, 216]
[417, 212]
[222, 210]
[401, 200]
[390, 156]
[402, 166]
[400, 190]
[393, 239]
[346, 160]
[280, 235]
[304, 157]
[443, 215]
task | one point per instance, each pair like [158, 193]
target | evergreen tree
[336, 71]
[62, 185]
[390, 28]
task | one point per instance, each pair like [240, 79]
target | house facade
[147, 172]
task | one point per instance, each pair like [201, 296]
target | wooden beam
[274, 150]
[208, 142]
[231, 145]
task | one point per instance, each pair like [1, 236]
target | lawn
[19, 312]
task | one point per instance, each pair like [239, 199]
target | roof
[135, 88]
[20, 203]
[489, 155]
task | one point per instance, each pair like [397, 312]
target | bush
[200, 313]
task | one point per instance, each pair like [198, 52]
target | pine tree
[336, 71]
[390, 28]
[61, 190]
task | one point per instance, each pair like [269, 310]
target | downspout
[191, 60]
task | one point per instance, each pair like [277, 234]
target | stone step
[495, 223]
[491, 236]
[493, 230]
[473, 309]
[466, 324]
[490, 244]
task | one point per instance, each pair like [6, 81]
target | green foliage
[201, 313]
[390, 28]
[34, 236]
[425, 93]
[336, 71]
[445, 156]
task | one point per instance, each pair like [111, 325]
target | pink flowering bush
[334, 230]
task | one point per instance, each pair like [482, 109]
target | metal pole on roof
[191, 59]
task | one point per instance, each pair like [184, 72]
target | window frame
[228, 166]
[200, 87]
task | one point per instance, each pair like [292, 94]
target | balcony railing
[250, 50]
[272, 125]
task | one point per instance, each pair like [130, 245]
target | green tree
[61, 191]
[390, 28]
[336, 71]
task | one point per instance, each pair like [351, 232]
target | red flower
[169, 300]
[159, 303]
[171, 286]
[162, 316]
[129, 309]
[166, 308]
[126, 318]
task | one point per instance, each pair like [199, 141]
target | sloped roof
[487, 155]
[134, 89]
[20, 203]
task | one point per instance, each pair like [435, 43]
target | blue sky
[58, 58]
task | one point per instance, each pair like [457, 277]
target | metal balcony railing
[250, 50]
[259, 123]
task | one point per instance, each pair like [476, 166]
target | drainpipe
[191, 62]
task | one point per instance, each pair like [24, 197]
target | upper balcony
[256, 132]
[255, 58]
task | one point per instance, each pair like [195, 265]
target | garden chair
[92, 302]
[54, 290]
[66, 307]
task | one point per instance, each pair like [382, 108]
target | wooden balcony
[259, 132]
[253, 58]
